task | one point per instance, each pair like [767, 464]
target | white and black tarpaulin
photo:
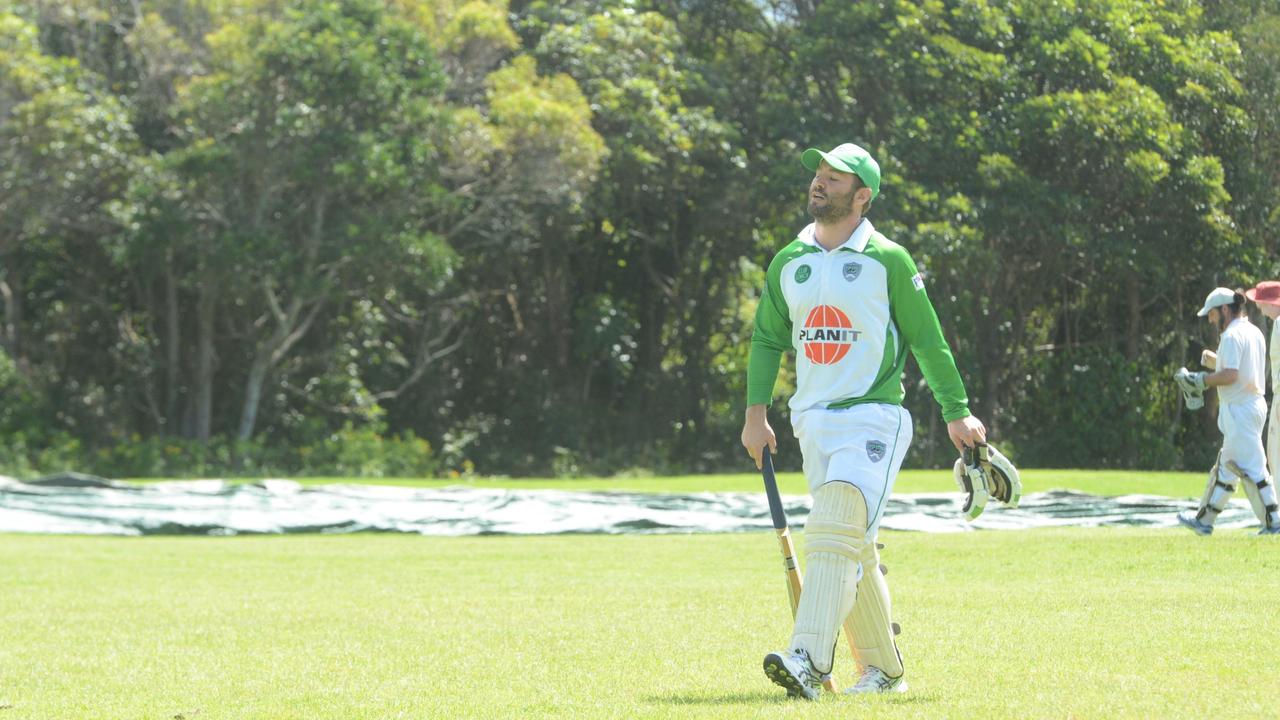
[78, 504]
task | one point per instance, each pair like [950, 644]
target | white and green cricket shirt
[851, 314]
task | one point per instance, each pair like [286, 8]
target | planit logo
[827, 335]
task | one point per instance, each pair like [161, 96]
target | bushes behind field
[536, 233]
[1092, 408]
[349, 452]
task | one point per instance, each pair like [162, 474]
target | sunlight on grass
[1011, 624]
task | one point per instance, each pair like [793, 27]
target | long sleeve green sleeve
[918, 321]
[770, 337]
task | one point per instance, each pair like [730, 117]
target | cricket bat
[789, 565]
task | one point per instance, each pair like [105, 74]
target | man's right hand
[756, 433]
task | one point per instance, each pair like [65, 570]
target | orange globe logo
[827, 335]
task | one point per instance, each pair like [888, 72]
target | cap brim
[812, 157]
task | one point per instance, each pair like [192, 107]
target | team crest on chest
[875, 450]
[852, 270]
[803, 272]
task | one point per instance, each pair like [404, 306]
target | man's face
[832, 194]
[1218, 319]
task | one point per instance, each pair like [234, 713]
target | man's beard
[836, 209]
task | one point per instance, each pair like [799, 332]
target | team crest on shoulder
[875, 450]
[803, 272]
[852, 270]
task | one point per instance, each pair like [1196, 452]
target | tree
[66, 155]
[307, 175]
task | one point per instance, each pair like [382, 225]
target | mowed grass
[1056, 623]
[1097, 482]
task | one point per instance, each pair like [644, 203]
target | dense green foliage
[394, 626]
[527, 237]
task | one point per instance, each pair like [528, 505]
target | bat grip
[771, 491]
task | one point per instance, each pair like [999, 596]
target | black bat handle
[771, 491]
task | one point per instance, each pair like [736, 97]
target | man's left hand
[966, 432]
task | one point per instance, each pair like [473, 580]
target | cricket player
[851, 304]
[1239, 377]
[1267, 296]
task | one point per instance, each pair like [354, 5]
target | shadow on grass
[777, 698]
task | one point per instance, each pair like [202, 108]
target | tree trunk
[173, 344]
[556, 304]
[1135, 319]
[204, 361]
[253, 396]
[11, 292]
[290, 323]
[1180, 343]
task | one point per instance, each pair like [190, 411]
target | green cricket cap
[847, 158]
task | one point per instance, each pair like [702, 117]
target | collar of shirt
[857, 242]
[1237, 321]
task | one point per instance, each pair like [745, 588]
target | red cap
[1267, 291]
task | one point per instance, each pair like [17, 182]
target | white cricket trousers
[863, 445]
[1241, 426]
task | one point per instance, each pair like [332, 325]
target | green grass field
[1058, 623]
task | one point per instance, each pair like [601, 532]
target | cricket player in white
[851, 304]
[1267, 295]
[1239, 377]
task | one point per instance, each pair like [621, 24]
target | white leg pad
[1261, 494]
[1216, 494]
[1273, 438]
[871, 622]
[834, 536]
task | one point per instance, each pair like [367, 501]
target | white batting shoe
[794, 672]
[874, 681]
[1188, 518]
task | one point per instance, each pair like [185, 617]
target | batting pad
[1216, 494]
[870, 624]
[1261, 494]
[834, 536]
[1273, 436]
